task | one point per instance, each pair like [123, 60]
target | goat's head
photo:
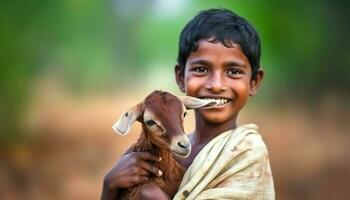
[162, 114]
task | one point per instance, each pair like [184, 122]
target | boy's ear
[179, 78]
[255, 82]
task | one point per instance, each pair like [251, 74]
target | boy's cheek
[241, 87]
[192, 84]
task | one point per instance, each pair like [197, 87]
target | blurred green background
[70, 67]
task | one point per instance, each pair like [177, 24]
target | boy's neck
[205, 131]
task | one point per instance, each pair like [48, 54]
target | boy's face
[218, 72]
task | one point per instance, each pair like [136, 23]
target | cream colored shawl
[233, 165]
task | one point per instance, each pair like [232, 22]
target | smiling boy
[218, 58]
[215, 71]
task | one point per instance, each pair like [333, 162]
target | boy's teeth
[218, 101]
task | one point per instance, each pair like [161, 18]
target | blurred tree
[92, 44]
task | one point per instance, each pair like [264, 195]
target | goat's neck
[145, 144]
[172, 170]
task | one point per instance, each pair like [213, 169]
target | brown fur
[172, 170]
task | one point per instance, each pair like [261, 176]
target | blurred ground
[71, 146]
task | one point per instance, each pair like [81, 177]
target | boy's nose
[216, 83]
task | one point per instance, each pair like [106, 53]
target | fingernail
[160, 173]
[160, 158]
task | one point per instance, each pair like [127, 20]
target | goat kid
[161, 115]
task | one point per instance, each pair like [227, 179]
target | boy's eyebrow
[235, 63]
[200, 62]
[227, 64]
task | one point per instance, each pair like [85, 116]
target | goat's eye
[185, 113]
[150, 122]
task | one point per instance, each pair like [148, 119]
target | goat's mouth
[180, 147]
[182, 154]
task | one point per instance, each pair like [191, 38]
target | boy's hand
[131, 170]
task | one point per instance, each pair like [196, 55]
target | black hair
[224, 26]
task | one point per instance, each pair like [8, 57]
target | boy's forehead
[227, 43]
[208, 49]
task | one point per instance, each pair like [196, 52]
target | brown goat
[161, 115]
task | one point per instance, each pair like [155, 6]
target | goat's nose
[183, 144]
[181, 147]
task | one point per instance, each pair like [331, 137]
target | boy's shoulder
[248, 143]
[252, 140]
[243, 142]
[236, 161]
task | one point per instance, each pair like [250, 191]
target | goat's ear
[192, 102]
[124, 123]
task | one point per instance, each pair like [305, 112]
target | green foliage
[92, 44]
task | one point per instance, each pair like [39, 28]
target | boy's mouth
[219, 100]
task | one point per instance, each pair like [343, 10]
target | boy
[218, 58]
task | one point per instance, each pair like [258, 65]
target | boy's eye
[233, 72]
[200, 69]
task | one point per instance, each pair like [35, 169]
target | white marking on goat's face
[152, 123]
[180, 146]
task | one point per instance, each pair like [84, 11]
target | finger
[139, 179]
[148, 156]
[150, 168]
[144, 172]
[144, 178]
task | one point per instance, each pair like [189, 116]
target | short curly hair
[224, 26]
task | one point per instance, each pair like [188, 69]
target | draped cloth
[233, 165]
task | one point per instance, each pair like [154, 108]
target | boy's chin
[217, 116]
[214, 118]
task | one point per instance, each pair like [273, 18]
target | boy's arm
[108, 193]
[108, 190]
[132, 169]
[153, 192]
